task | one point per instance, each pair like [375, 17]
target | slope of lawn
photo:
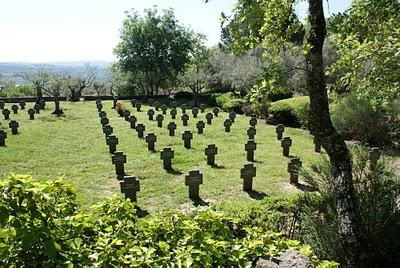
[73, 146]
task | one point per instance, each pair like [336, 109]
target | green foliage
[290, 112]
[368, 40]
[25, 90]
[41, 227]
[154, 48]
[375, 198]
[183, 95]
[230, 102]
[269, 90]
[356, 119]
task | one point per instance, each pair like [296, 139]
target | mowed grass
[73, 147]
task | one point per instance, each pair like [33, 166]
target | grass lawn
[73, 146]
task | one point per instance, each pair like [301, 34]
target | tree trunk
[57, 111]
[39, 94]
[75, 95]
[349, 219]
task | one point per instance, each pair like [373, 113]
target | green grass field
[74, 147]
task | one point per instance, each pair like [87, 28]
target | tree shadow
[305, 187]
[174, 171]
[216, 166]
[199, 202]
[256, 195]
[141, 212]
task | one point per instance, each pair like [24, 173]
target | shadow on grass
[216, 166]
[141, 212]
[174, 171]
[256, 195]
[197, 202]
[304, 187]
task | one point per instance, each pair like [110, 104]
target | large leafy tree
[272, 24]
[367, 36]
[155, 47]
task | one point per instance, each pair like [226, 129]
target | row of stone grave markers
[128, 184]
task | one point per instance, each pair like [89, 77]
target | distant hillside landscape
[16, 70]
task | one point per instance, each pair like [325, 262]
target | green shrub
[25, 90]
[42, 227]
[291, 112]
[279, 93]
[230, 102]
[355, 119]
[376, 200]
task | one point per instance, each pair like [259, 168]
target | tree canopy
[154, 47]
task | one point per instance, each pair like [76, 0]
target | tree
[54, 87]
[275, 33]
[78, 83]
[154, 48]
[39, 79]
[99, 88]
[367, 36]
[196, 73]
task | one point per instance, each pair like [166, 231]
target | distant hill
[16, 70]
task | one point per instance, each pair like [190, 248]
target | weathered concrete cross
[130, 186]
[167, 154]
[151, 138]
[250, 147]
[211, 151]
[187, 136]
[193, 180]
[247, 173]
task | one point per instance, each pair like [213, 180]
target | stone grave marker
[98, 101]
[279, 131]
[373, 156]
[138, 106]
[14, 125]
[37, 108]
[140, 128]
[99, 107]
[157, 105]
[285, 144]
[202, 108]
[104, 121]
[31, 113]
[187, 136]
[6, 114]
[166, 155]
[232, 116]
[171, 128]
[195, 112]
[112, 142]
[247, 173]
[317, 145]
[119, 159]
[247, 109]
[14, 108]
[126, 114]
[150, 101]
[211, 151]
[107, 130]
[173, 113]
[3, 137]
[253, 121]
[200, 127]
[114, 103]
[185, 119]
[227, 125]
[294, 166]
[209, 118]
[102, 114]
[150, 113]
[42, 104]
[132, 120]
[174, 104]
[133, 102]
[251, 133]
[22, 104]
[151, 139]
[215, 111]
[250, 147]
[164, 109]
[2, 104]
[159, 119]
[129, 187]
[193, 180]
[183, 107]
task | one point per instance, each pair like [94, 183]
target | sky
[88, 30]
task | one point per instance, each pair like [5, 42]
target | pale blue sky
[71, 30]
